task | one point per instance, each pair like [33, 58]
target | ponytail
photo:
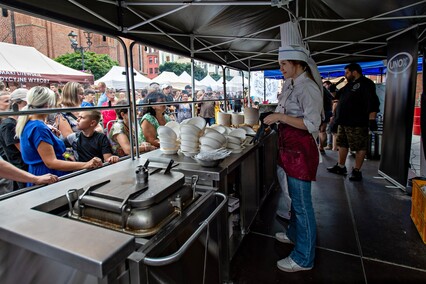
[37, 97]
[22, 120]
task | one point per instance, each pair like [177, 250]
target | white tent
[186, 79]
[208, 81]
[166, 77]
[236, 84]
[116, 78]
[26, 65]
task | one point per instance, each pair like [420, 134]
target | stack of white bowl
[219, 128]
[174, 125]
[224, 118]
[190, 132]
[168, 140]
[237, 119]
[212, 140]
[236, 138]
[251, 116]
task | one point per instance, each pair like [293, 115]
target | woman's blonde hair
[37, 97]
[70, 94]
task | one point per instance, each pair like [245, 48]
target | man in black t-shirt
[88, 143]
[355, 115]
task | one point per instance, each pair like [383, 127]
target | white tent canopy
[236, 84]
[185, 77]
[187, 80]
[28, 66]
[166, 77]
[208, 81]
[116, 78]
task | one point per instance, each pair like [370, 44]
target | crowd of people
[57, 143]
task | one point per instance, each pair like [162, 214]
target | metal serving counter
[85, 253]
[249, 175]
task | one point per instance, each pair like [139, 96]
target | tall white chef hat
[293, 48]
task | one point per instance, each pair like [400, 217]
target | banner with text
[32, 79]
[399, 107]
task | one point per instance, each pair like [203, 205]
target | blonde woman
[43, 150]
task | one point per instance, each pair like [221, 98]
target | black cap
[185, 92]
[188, 87]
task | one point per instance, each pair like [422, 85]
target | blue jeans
[302, 229]
[210, 120]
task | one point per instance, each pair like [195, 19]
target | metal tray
[122, 186]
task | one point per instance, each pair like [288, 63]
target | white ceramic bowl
[198, 121]
[235, 140]
[217, 136]
[223, 118]
[228, 130]
[248, 129]
[188, 137]
[166, 138]
[190, 129]
[190, 154]
[237, 119]
[174, 125]
[168, 146]
[240, 133]
[210, 129]
[209, 164]
[185, 121]
[188, 143]
[166, 131]
[169, 151]
[251, 116]
[188, 148]
[205, 148]
[233, 146]
[211, 142]
[219, 128]
[236, 151]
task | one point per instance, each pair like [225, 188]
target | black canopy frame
[244, 35]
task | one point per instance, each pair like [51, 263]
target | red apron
[298, 152]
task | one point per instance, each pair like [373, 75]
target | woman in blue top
[43, 150]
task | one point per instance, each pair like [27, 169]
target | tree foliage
[96, 64]
[178, 68]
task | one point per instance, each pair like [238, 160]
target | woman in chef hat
[298, 116]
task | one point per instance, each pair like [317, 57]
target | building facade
[52, 40]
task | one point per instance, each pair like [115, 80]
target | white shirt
[302, 98]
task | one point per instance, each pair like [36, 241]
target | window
[168, 58]
[150, 71]
[156, 70]
[150, 60]
[155, 60]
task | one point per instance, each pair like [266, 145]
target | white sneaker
[284, 214]
[288, 265]
[282, 237]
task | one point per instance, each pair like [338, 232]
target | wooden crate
[418, 207]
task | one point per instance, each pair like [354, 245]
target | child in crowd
[89, 143]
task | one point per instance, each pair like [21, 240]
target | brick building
[52, 40]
